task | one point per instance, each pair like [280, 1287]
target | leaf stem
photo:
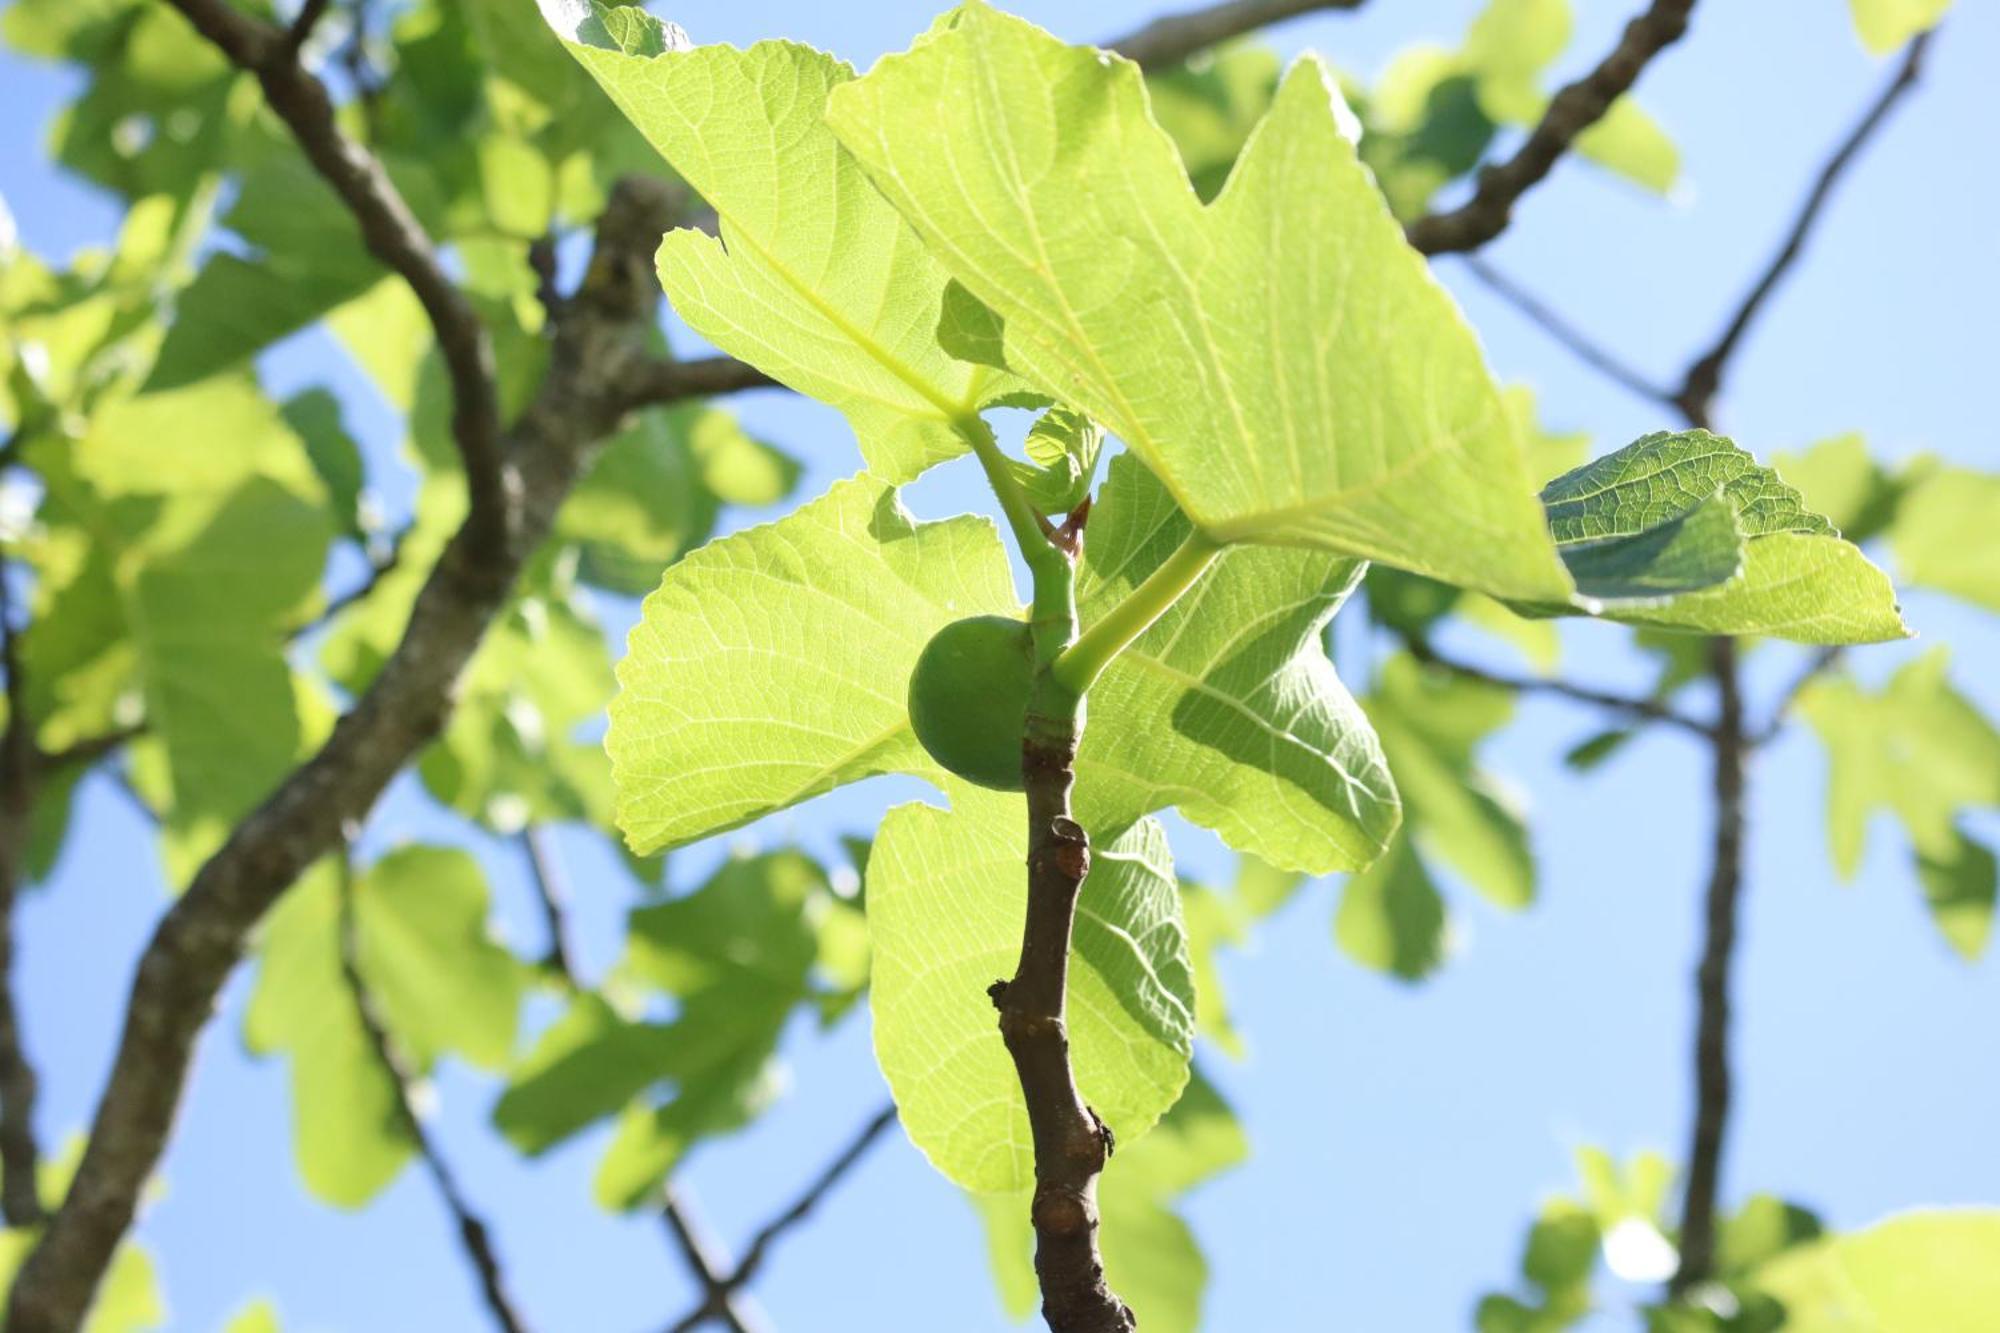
[1082, 662]
[1032, 532]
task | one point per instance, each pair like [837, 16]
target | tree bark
[1071, 1144]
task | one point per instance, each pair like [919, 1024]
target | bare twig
[1711, 1049]
[1172, 39]
[1696, 395]
[719, 1289]
[379, 568]
[1732, 744]
[1570, 112]
[811, 1197]
[711, 1269]
[1640, 706]
[552, 893]
[600, 340]
[395, 237]
[1822, 661]
[472, 1230]
[20, 1154]
[1584, 347]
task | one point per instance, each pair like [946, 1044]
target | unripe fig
[968, 696]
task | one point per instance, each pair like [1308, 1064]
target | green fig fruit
[969, 696]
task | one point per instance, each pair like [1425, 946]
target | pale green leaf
[257, 1317]
[1885, 25]
[1837, 478]
[1918, 748]
[1431, 724]
[348, 1134]
[945, 903]
[1946, 535]
[772, 665]
[1227, 707]
[440, 981]
[1062, 448]
[1509, 45]
[1960, 888]
[1281, 359]
[1391, 916]
[814, 280]
[1933, 1271]
[214, 527]
[1627, 140]
[738, 955]
[1921, 749]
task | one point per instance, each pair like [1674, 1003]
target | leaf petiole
[1081, 663]
[1032, 532]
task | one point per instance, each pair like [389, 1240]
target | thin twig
[1640, 706]
[811, 1197]
[773, 1231]
[394, 236]
[472, 1230]
[552, 893]
[1822, 661]
[20, 1154]
[1582, 345]
[379, 568]
[1732, 744]
[710, 1267]
[1696, 396]
[1570, 112]
[1172, 39]
[1719, 920]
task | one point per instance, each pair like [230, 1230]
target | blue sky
[1402, 1137]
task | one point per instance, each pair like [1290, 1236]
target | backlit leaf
[945, 905]
[1281, 359]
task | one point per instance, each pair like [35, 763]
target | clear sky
[1402, 1136]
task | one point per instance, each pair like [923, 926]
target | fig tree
[968, 696]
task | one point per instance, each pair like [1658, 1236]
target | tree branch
[1570, 112]
[1711, 1051]
[394, 236]
[1633, 705]
[1580, 344]
[600, 339]
[20, 1154]
[656, 381]
[472, 1231]
[1172, 39]
[1696, 396]
[1071, 1144]
[720, 1289]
